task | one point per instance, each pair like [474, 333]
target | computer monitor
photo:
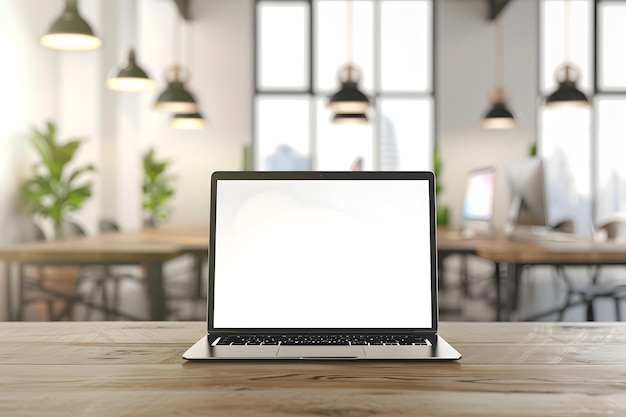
[478, 205]
[528, 206]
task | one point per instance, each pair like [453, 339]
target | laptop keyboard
[320, 340]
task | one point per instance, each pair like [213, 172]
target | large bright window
[610, 108]
[587, 145]
[300, 47]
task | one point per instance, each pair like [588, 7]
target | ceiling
[496, 6]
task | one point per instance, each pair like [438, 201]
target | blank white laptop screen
[322, 254]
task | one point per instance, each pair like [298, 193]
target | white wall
[466, 78]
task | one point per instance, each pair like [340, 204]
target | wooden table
[518, 253]
[150, 248]
[135, 369]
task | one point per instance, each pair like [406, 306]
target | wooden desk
[516, 254]
[149, 248]
[135, 369]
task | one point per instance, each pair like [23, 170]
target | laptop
[322, 266]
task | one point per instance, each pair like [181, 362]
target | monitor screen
[528, 205]
[479, 195]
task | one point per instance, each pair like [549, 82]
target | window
[301, 45]
[610, 104]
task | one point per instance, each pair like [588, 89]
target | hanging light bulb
[349, 103]
[131, 77]
[188, 121]
[176, 98]
[499, 116]
[70, 31]
[567, 75]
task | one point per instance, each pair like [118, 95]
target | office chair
[108, 226]
[115, 275]
[41, 284]
[96, 278]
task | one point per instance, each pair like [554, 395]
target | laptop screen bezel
[218, 176]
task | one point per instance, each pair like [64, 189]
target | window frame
[316, 94]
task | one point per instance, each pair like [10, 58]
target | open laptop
[322, 265]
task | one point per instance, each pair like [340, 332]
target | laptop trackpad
[399, 352]
[321, 352]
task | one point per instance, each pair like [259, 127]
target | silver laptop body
[322, 266]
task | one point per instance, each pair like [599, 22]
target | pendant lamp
[188, 121]
[349, 103]
[131, 77]
[567, 94]
[70, 31]
[499, 116]
[567, 75]
[349, 99]
[176, 98]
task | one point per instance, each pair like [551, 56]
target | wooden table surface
[135, 369]
[149, 247]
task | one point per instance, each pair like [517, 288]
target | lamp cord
[499, 53]
[566, 23]
[349, 29]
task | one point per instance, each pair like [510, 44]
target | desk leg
[156, 291]
[9, 290]
[512, 287]
[496, 277]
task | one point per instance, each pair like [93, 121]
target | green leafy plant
[55, 190]
[442, 211]
[157, 188]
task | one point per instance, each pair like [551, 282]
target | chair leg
[590, 313]
[618, 313]
[116, 296]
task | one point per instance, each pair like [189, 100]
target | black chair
[96, 279]
[42, 284]
[114, 275]
[108, 226]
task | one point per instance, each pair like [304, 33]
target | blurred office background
[262, 71]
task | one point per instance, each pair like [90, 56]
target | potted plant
[442, 211]
[157, 189]
[55, 190]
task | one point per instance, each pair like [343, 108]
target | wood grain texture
[135, 369]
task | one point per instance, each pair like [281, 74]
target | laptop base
[439, 349]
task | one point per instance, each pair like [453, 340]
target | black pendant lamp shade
[188, 121]
[498, 116]
[349, 99]
[350, 118]
[70, 31]
[567, 94]
[131, 77]
[176, 98]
